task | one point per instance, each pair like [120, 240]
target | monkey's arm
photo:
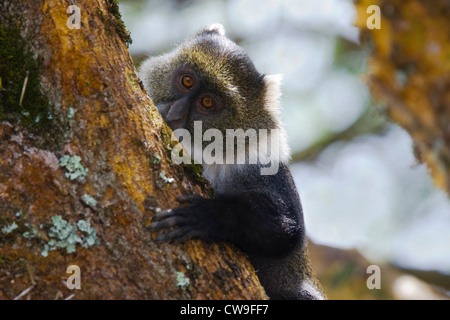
[251, 220]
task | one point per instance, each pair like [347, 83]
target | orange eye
[207, 102]
[187, 81]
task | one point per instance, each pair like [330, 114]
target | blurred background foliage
[366, 198]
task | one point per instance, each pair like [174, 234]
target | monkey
[209, 78]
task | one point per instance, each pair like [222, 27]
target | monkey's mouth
[176, 124]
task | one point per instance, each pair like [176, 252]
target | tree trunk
[410, 73]
[85, 162]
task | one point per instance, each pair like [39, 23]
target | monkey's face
[207, 78]
[194, 100]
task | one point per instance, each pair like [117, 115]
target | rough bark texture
[99, 111]
[410, 74]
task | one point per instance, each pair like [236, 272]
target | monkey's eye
[187, 82]
[207, 102]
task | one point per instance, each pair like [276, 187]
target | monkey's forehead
[221, 63]
[214, 69]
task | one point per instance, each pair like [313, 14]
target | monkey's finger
[191, 234]
[189, 198]
[167, 223]
[172, 235]
[163, 215]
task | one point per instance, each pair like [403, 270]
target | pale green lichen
[89, 200]
[74, 167]
[31, 233]
[161, 183]
[162, 175]
[71, 112]
[182, 280]
[156, 159]
[9, 228]
[64, 234]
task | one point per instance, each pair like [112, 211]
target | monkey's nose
[163, 109]
[178, 110]
[177, 114]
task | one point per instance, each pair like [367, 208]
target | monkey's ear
[273, 92]
[215, 28]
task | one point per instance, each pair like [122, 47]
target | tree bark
[410, 74]
[58, 210]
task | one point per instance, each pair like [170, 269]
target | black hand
[189, 222]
